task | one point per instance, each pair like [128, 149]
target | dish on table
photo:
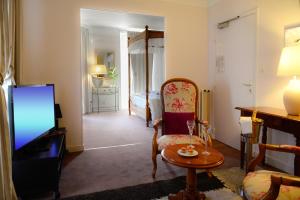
[187, 153]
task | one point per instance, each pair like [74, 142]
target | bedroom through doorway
[121, 78]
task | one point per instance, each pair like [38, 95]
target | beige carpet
[118, 154]
[231, 177]
[224, 194]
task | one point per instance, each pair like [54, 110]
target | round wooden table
[214, 159]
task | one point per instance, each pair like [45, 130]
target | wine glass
[206, 131]
[191, 126]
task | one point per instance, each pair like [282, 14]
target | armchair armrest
[283, 148]
[276, 182]
[156, 125]
[272, 147]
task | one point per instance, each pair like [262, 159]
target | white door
[234, 76]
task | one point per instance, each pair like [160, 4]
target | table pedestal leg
[190, 193]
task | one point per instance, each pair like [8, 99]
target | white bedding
[155, 106]
[139, 100]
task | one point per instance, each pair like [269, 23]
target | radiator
[205, 105]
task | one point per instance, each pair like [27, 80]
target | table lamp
[100, 71]
[289, 65]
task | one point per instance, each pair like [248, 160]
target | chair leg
[154, 154]
[242, 158]
[154, 164]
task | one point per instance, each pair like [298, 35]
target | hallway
[106, 129]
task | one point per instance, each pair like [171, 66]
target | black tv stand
[42, 145]
[37, 169]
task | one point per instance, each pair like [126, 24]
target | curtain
[138, 74]
[138, 47]
[156, 63]
[156, 47]
[84, 69]
[7, 62]
[88, 58]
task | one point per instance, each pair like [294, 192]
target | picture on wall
[109, 60]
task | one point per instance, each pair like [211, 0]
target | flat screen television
[31, 113]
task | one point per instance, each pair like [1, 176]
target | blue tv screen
[32, 113]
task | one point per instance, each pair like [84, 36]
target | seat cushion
[257, 183]
[166, 140]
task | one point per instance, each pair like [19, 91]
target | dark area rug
[152, 190]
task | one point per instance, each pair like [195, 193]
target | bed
[146, 74]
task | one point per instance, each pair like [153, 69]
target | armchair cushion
[176, 122]
[256, 184]
[166, 140]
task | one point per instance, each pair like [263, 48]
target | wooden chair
[179, 98]
[269, 185]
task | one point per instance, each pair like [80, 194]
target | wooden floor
[232, 156]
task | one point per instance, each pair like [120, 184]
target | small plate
[187, 154]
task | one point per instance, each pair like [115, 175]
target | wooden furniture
[145, 36]
[179, 98]
[256, 184]
[105, 99]
[277, 119]
[200, 161]
[37, 168]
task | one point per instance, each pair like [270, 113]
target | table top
[275, 112]
[200, 161]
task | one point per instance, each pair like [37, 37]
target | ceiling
[120, 20]
[203, 3]
[106, 25]
[129, 21]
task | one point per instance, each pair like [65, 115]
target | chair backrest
[179, 98]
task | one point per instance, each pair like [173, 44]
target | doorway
[104, 42]
[234, 83]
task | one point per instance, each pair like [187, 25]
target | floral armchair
[179, 98]
[271, 185]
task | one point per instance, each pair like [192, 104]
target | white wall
[106, 40]
[51, 47]
[273, 15]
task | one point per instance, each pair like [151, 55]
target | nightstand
[105, 99]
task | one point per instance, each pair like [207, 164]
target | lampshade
[289, 64]
[100, 70]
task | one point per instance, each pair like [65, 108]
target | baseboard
[279, 164]
[77, 148]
